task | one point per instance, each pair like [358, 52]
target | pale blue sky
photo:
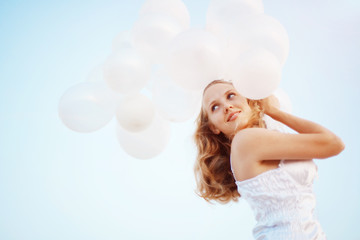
[60, 184]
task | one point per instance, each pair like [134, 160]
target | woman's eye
[213, 108]
[230, 95]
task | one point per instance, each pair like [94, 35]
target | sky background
[59, 184]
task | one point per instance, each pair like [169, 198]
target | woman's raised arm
[312, 140]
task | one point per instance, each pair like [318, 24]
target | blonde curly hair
[213, 175]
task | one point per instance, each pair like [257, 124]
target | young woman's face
[227, 110]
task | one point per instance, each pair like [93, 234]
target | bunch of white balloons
[174, 62]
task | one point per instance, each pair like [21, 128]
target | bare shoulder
[246, 138]
[244, 158]
[243, 142]
[253, 144]
[250, 132]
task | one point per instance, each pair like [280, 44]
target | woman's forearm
[271, 108]
[305, 126]
[296, 123]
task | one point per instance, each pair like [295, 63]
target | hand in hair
[270, 104]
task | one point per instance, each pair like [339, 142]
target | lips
[232, 116]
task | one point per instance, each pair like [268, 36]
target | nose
[227, 108]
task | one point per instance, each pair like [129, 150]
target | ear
[214, 129]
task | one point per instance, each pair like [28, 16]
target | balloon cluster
[239, 43]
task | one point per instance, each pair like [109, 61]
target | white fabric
[283, 202]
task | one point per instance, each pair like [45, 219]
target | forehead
[215, 92]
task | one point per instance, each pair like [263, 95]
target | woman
[273, 171]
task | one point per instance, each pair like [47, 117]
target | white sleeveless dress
[283, 202]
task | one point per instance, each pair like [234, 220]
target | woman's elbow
[340, 145]
[332, 145]
[336, 145]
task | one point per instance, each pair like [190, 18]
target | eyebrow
[230, 90]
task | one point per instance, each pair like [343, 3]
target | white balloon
[194, 59]
[175, 8]
[263, 31]
[224, 12]
[258, 31]
[122, 40]
[284, 100]
[87, 107]
[148, 143]
[126, 71]
[135, 112]
[173, 102]
[96, 74]
[256, 74]
[152, 33]
[272, 124]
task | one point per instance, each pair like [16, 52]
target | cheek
[244, 101]
[216, 120]
[245, 104]
[249, 111]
